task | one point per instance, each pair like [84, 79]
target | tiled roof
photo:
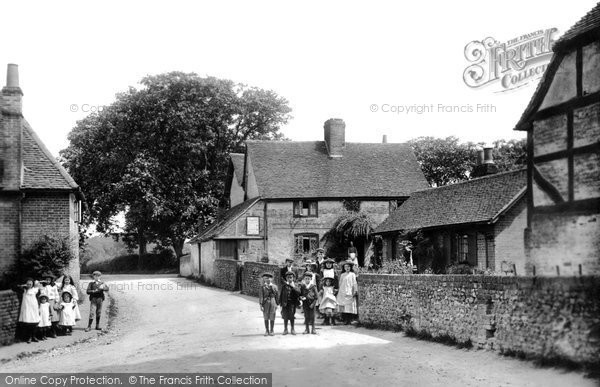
[477, 200]
[293, 169]
[41, 170]
[587, 23]
[224, 221]
[238, 166]
[590, 22]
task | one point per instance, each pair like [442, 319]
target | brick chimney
[335, 136]
[384, 140]
[11, 131]
[485, 163]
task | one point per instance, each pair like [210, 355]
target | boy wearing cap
[309, 295]
[289, 268]
[267, 299]
[96, 290]
[288, 299]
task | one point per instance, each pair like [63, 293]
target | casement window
[305, 208]
[77, 211]
[306, 243]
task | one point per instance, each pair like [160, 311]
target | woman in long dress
[348, 293]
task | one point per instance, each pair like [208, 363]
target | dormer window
[305, 209]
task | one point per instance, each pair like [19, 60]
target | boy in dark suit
[309, 295]
[288, 299]
[289, 266]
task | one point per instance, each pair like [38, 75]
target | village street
[177, 325]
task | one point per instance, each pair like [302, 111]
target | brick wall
[546, 317]
[564, 241]
[9, 314]
[226, 274]
[9, 237]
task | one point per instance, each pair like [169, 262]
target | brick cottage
[563, 173]
[480, 222]
[37, 195]
[286, 195]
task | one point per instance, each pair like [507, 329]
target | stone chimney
[335, 136]
[485, 163]
[11, 132]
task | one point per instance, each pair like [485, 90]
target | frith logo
[513, 64]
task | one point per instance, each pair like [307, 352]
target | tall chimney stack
[11, 124]
[335, 136]
[384, 141]
[11, 93]
[485, 163]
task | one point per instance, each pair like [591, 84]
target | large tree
[159, 152]
[447, 160]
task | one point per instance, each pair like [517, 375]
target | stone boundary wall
[227, 272]
[548, 317]
[9, 314]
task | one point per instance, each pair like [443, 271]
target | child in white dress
[45, 317]
[67, 313]
[328, 301]
[29, 315]
[68, 285]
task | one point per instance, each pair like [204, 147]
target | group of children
[49, 308]
[323, 292]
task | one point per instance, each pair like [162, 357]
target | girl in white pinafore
[348, 292]
[29, 315]
[67, 313]
[68, 285]
[45, 317]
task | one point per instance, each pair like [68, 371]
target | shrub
[128, 263]
[48, 254]
[460, 268]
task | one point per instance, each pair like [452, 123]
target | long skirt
[269, 309]
[347, 304]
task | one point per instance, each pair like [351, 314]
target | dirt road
[176, 325]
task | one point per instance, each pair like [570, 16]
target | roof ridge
[322, 141]
[475, 179]
[63, 172]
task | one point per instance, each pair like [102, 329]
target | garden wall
[549, 317]
[9, 314]
[251, 272]
[227, 273]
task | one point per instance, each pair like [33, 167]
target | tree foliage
[447, 160]
[159, 153]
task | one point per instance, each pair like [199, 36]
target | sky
[352, 60]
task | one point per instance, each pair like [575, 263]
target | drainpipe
[265, 231]
[20, 226]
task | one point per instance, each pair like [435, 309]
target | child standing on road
[267, 298]
[288, 299]
[309, 295]
[328, 301]
[67, 313]
[45, 317]
[68, 285]
[50, 289]
[96, 290]
[29, 315]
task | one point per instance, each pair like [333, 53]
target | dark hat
[307, 274]
[43, 296]
[96, 273]
[66, 291]
[327, 278]
[290, 273]
[288, 259]
[266, 274]
[347, 262]
[329, 260]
